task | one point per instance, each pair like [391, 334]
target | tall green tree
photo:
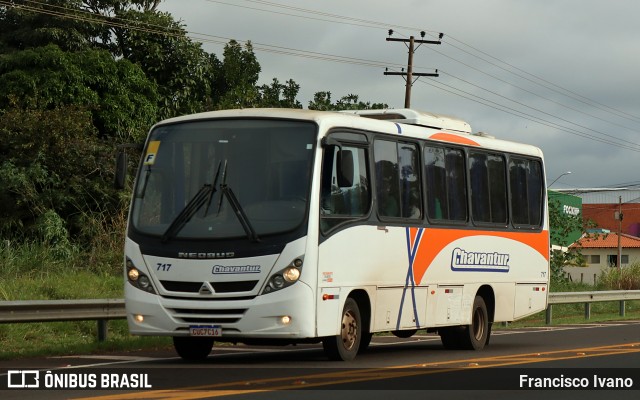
[184, 73]
[236, 87]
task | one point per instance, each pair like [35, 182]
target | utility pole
[410, 74]
[619, 218]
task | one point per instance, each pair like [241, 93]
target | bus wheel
[344, 346]
[193, 348]
[470, 337]
[451, 337]
[476, 335]
[364, 342]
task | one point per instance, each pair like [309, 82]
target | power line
[541, 111]
[561, 104]
[321, 16]
[336, 18]
[520, 114]
[571, 94]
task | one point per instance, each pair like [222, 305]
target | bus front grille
[207, 316]
[219, 287]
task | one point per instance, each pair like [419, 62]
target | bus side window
[337, 202]
[397, 179]
[525, 177]
[387, 178]
[409, 161]
[446, 184]
[488, 188]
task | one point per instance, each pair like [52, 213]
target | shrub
[625, 278]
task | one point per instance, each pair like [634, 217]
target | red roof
[606, 241]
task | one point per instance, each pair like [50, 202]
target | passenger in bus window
[387, 183]
[413, 209]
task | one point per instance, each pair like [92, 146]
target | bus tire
[404, 334]
[364, 342]
[193, 348]
[345, 345]
[469, 337]
[476, 335]
[451, 337]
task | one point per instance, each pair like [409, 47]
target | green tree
[27, 24]
[131, 29]
[60, 115]
[117, 93]
[562, 225]
[71, 24]
[53, 167]
[185, 74]
[279, 95]
[322, 102]
[236, 86]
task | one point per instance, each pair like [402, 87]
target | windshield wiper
[237, 208]
[204, 195]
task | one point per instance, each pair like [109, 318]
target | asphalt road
[567, 362]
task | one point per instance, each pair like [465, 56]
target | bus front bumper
[285, 314]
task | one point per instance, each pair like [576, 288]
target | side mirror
[122, 162]
[344, 163]
[345, 168]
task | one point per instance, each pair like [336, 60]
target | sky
[563, 75]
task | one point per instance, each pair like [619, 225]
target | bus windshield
[227, 178]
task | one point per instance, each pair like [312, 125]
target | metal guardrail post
[548, 314]
[102, 330]
[587, 310]
[622, 307]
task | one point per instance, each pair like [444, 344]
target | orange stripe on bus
[448, 137]
[434, 240]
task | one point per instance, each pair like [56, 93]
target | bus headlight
[291, 274]
[138, 279]
[285, 277]
[133, 274]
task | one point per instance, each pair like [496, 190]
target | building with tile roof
[600, 251]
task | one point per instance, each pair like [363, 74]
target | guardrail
[102, 310]
[590, 297]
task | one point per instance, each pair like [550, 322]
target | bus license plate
[205, 331]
